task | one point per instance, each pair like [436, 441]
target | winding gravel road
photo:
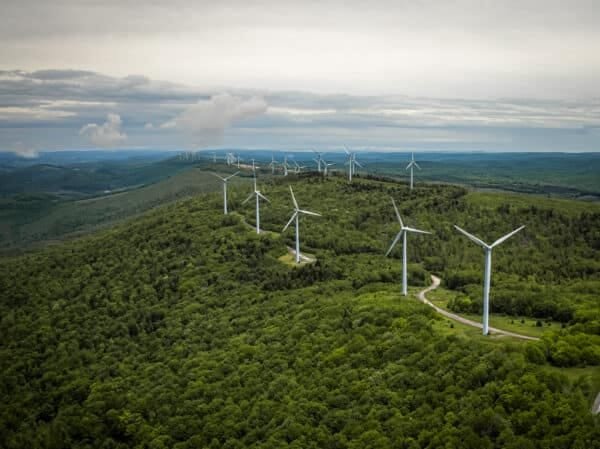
[435, 284]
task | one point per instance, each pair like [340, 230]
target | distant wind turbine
[258, 196]
[225, 189]
[410, 165]
[214, 158]
[284, 164]
[326, 166]
[487, 270]
[352, 163]
[273, 164]
[295, 215]
[404, 230]
[318, 160]
[298, 168]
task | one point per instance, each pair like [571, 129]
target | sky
[390, 75]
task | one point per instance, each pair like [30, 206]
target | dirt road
[435, 284]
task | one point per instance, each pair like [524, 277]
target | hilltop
[182, 328]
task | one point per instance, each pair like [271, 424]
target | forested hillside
[182, 328]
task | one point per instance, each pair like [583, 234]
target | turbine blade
[358, 163]
[262, 196]
[417, 165]
[472, 237]
[397, 212]
[409, 165]
[221, 178]
[294, 199]
[418, 231]
[231, 176]
[307, 212]
[394, 243]
[507, 236]
[290, 222]
[248, 199]
[346, 150]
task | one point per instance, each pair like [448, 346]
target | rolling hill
[182, 328]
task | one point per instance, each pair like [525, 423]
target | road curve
[435, 284]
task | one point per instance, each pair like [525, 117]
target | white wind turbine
[295, 216]
[298, 168]
[410, 165]
[352, 163]
[285, 166]
[404, 230]
[214, 157]
[225, 189]
[487, 273]
[318, 160]
[273, 164]
[258, 196]
[326, 166]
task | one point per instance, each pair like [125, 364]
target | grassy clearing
[289, 259]
[521, 325]
[491, 200]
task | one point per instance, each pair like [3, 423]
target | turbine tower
[326, 166]
[410, 165]
[487, 273]
[352, 163]
[404, 230]
[214, 157]
[273, 164]
[318, 160]
[295, 215]
[225, 189]
[258, 196]
[285, 166]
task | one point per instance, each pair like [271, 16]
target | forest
[183, 328]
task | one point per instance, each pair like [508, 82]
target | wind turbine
[404, 230]
[273, 164]
[318, 160]
[214, 157]
[258, 195]
[326, 166]
[298, 168]
[295, 215]
[238, 161]
[225, 189]
[410, 165]
[352, 163]
[285, 166]
[487, 273]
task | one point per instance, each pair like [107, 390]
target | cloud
[207, 120]
[46, 109]
[24, 151]
[106, 135]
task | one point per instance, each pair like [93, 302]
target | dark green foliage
[182, 329]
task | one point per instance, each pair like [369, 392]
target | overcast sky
[422, 74]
